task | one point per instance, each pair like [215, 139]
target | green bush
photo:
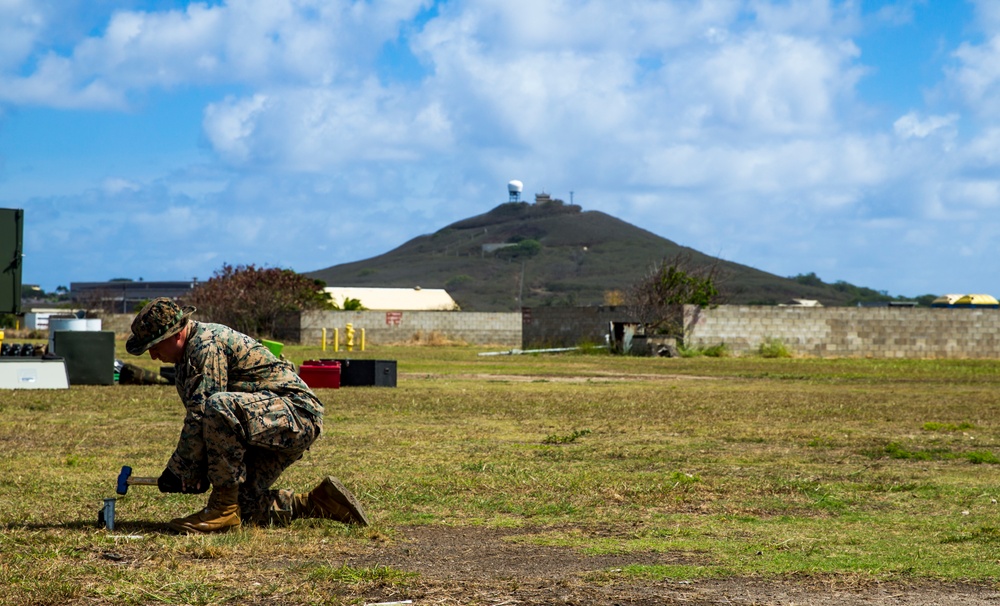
[773, 348]
[712, 351]
[590, 349]
[567, 439]
[978, 457]
[716, 351]
[458, 280]
[935, 426]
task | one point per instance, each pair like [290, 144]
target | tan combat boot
[330, 500]
[220, 515]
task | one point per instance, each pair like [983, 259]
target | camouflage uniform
[249, 416]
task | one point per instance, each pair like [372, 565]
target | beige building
[395, 299]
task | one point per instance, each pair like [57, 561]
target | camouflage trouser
[250, 438]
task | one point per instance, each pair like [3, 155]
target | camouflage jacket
[220, 359]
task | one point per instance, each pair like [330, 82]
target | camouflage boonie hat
[159, 319]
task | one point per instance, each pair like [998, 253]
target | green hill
[551, 253]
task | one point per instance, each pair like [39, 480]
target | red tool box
[321, 373]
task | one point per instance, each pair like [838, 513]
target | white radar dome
[515, 187]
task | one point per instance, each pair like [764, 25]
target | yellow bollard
[336, 339]
[362, 339]
[324, 339]
[349, 336]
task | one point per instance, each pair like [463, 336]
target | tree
[809, 279]
[350, 304]
[658, 298]
[524, 248]
[252, 299]
[528, 248]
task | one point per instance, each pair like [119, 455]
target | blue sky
[858, 140]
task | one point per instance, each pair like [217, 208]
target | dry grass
[433, 338]
[752, 467]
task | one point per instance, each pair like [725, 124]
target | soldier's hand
[197, 488]
[169, 482]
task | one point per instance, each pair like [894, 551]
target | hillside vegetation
[551, 253]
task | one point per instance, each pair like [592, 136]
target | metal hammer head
[123, 477]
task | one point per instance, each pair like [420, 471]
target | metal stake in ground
[106, 516]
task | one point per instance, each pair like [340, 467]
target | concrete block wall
[381, 328]
[880, 332]
[886, 332]
[502, 329]
[569, 326]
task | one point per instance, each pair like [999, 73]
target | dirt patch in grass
[474, 565]
[469, 552]
[596, 376]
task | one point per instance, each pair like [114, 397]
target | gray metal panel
[359, 373]
[89, 355]
[11, 245]
[33, 373]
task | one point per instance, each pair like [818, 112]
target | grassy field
[870, 470]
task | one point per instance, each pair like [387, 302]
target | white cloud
[730, 125]
[511, 74]
[977, 79]
[964, 198]
[318, 129]
[805, 169]
[255, 42]
[982, 152]
[230, 126]
[988, 15]
[763, 83]
[21, 22]
[116, 185]
[913, 126]
[806, 17]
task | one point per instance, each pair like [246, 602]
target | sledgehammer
[125, 480]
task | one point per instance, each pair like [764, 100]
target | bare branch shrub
[658, 299]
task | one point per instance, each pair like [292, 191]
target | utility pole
[520, 291]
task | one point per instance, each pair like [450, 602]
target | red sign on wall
[393, 318]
